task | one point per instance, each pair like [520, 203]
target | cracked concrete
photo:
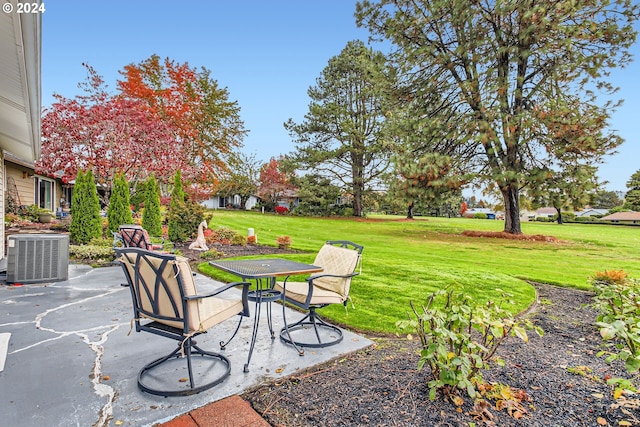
[70, 361]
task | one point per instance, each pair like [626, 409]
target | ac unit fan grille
[39, 259]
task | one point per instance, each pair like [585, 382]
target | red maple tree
[207, 124]
[107, 133]
[274, 184]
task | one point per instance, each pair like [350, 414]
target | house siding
[24, 185]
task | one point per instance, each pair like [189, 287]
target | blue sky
[266, 53]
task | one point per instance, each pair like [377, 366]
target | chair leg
[254, 332]
[190, 350]
[286, 330]
[332, 334]
[224, 344]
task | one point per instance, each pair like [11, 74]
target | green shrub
[137, 196]
[91, 252]
[239, 239]
[594, 218]
[223, 235]
[480, 215]
[119, 211]
[151, 218]
[211, 254]
[85, 210]
[101, 241]
[458, 340]
[184, 216]
[544, 219]
[617, 299]
[31, 212]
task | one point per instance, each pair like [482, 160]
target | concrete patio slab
[71, 362]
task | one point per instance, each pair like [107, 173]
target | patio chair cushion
[298, 291]
[203, 313]
[334, 260]
[337, 261]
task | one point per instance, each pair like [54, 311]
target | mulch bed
[381, 386]
[229, 251]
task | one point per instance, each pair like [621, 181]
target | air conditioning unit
[37, 258]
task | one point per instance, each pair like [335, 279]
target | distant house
[289, 199]
[527, 215]
[545, 212]
[592, 212]
[623, 218]
[221, 202]
[470, 213]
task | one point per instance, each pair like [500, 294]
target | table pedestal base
[261, 296]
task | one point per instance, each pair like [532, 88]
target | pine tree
[119, 211]
[86, 223]
[632, 198]
[151, 218]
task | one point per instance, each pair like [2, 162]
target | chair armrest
[340, 276]
[317, 276]
[245, 293]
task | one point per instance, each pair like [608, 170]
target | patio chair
[134, 236]
[339, 259]
[166, 303]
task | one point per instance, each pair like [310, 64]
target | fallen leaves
[506, 398]
[482, 413]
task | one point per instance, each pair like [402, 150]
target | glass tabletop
[258, 268]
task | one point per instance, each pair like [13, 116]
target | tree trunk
[358, 190]
[559, 210]
[357, 205]
[410, 211]
[510, 194]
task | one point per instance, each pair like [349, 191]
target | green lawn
[405, 261]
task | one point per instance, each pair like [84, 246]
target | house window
[44, 193]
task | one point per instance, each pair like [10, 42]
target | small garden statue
[200, 243]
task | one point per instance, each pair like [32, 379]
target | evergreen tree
[341, 135]
[151, 218]
[524, 85]
[119, 211]
[176, 208]
[632, 198]
[85, 210]
[137, 195]
[184, 215]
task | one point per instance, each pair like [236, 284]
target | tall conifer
[119, 211]
[151, 218]
[85, 210]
